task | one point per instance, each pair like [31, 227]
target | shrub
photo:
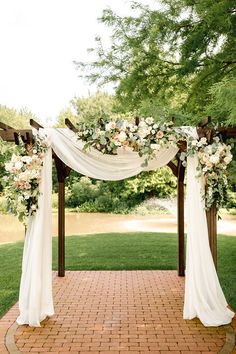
[91, 195]
[81, 192]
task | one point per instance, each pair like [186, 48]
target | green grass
[115, 252]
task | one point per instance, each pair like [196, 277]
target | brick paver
[116, 312]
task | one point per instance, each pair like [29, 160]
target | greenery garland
[23, 171]
[148, 137]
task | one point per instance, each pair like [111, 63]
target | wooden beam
[227, 133]
[180, 217]
[62, 172]
[70, 125]
[9, 134]
[5, 126]
[35, 124]
[173, 168]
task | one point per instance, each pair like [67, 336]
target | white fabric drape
[204, 297]
[36, 289]
[35, 299]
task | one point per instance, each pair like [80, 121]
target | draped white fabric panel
[94, 164]
[35, 301]
[203, 294]
[204, 297]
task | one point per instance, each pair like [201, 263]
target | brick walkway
[116, 312]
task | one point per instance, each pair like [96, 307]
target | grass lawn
[115, 252]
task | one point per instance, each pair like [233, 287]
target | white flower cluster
[23, 177]
[213, 161]
[146, 138]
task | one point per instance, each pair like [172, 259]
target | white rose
[215, 159]
[122, 137]
[155, 147]
[143, 132]
[18, 165]
[203, 141]
[142, 124]
[110, 125]
[228, 159]
[8, 166]
[149, 120]
[26, 159]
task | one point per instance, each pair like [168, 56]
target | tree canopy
[181, 55]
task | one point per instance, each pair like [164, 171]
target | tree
[173, 55]
[90, 109]
[16, 118]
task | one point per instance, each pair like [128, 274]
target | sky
[39, 41]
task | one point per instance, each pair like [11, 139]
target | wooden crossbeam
[173, 168]
[10, 134]
[5, 126]
[227, 133]
[35, 124]
[70, 125]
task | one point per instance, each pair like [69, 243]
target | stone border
[229, 340]
[228, 347]
[10, 339]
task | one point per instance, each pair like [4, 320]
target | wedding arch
[203, 295]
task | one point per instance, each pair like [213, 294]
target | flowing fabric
[35, 299]
[203, 295]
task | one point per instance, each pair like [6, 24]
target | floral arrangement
[146, 138]
[23, 177]
[213, 160]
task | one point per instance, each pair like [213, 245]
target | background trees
[180, 56]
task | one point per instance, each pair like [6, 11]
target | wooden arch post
[180, 218]
[179, 172]
[62, 172]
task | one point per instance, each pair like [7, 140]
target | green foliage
[231, 200]
[173, 54]
[118, 197]
[81, 192]
[223, 101]
[6, 150]
[90, 109]
[16, 118]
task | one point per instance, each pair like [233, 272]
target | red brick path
[116, 312]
